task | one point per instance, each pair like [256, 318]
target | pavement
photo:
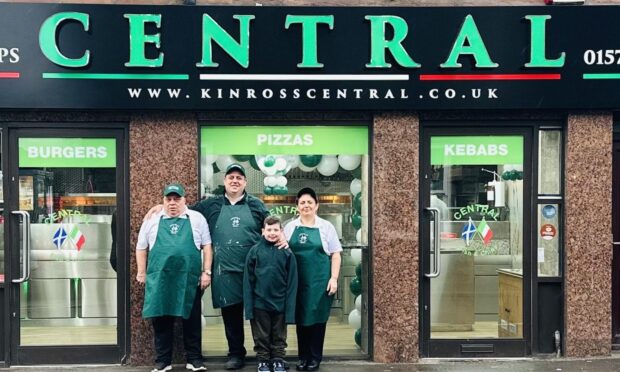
[608, 364]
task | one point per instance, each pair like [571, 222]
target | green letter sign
[537, 44]
[475, 46]
[212, 31]
[309, 43]
[47, 39]
[137, 40]
[67, 152]
[378, 44]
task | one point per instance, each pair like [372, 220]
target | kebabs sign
[284, 58]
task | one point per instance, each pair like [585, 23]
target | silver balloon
[349, 162]
[356, 187]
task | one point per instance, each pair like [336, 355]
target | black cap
[307, 191]
[235, 167]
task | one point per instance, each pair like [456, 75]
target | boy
[269, 296]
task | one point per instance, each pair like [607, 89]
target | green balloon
[242, 157]
[358, 270]
[357, 203]
[506, 176]
[356, 286]
[357, 172]
[268, 190]
[358, 337]
[356, 220]
[514, 175]
[279, 190]
[254, 164]
[269, 161]
[310, 160]
[215, 168]
[519, 175]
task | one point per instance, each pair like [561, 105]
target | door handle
[437, 259]
[25, 246]
[616, 243]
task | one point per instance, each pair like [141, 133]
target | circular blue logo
[548, 211]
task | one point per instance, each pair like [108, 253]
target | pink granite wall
[588, 235]
[395, 243]
[162, 149]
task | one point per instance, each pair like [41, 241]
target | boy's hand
[282, 243]
[205, 280]
[141, 278]
[332, 286]
[152, 211]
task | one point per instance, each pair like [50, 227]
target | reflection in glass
[70, 298]
[549, 160]
[478, 293]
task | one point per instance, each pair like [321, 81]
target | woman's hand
[152, 211]
[332, 286]
[205, 280]
[141, 278]
[282, 243]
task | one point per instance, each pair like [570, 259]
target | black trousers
[163, 328]
[310, 341]
[233, 325]
[269, 333]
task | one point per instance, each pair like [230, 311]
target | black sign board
[308, 58]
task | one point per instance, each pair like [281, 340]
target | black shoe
[278, 366]
[195, 365]
[162, 367]
[301, 365]
[264, 367]
[313, 365]
[235, 362]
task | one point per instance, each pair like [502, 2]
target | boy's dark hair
[272, 220]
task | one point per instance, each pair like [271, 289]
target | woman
[315, 243]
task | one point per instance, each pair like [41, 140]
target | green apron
[234, 234]
[314, 270]
[173, 270]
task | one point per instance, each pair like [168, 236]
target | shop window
[549, 158]
[279, 161]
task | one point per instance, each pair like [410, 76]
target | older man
[235, 221]
[175, 277]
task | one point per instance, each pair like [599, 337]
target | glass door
[64, 191]
[474, 277]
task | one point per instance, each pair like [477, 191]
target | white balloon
[356, 256]
[270, 171]
[218, 179]
[306, 169]
[270, 181]
[207, 177]
[281, 181]
[281, 164]
[358, 303]
[356, 186]
[355, 319]
[293, 161]
[210, 159]
[349, 162]
[358, 236]
[224, 161]
[328, 166]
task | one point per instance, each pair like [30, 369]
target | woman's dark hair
[306, 191]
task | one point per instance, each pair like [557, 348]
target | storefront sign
[476, 150]
[82, 56]
[481, 209]
[67, 152]
[548, 231]
[282, 140]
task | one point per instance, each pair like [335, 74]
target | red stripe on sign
[492, 77]
[9, 75]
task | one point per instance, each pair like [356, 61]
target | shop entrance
[65, 291]
[475, 275]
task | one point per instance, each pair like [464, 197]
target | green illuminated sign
[67, 152]
[282, 140]
[476, 150]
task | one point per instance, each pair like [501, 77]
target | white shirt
[329, 235]
[148, 230]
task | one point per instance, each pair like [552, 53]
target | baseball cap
[174, 188]
[235, 167]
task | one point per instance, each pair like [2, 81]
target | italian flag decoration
[485, 231]
[77, 237]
